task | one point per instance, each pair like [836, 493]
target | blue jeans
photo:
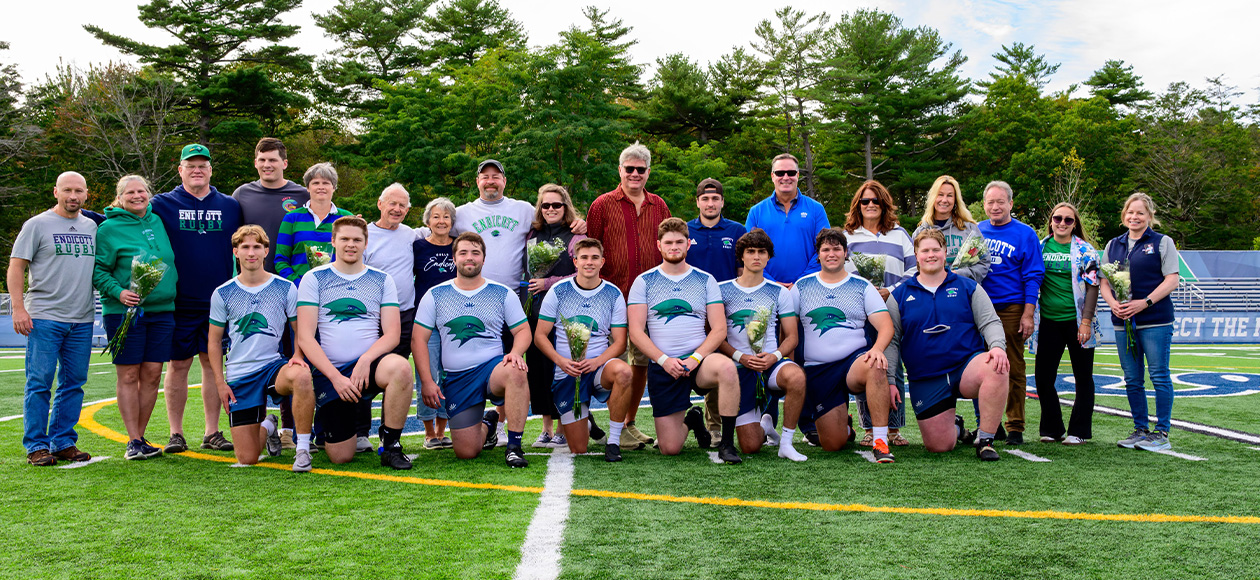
[52, 343]
[424, 412]
[1155, 346]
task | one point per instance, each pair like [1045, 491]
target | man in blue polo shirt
[792, 220]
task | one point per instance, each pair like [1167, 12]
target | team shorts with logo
[564, 390]
[669, 395]
[337, 416]
[938, 394]
[748, 411]
[469, 389]
[251, 392]
[827, 385]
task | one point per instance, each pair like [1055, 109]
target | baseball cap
[490, 162]
[194, 150]
[709, 183]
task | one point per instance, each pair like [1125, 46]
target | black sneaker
[1015, 438]
[216, 441]
[491, 419]
[726, 452]
[695, 421]
[133, 452]
[395, 459]
[176, 444]
[514, 457]
[612, 453]
[985, 450]
[597, 434]
[811, 437]
[149, 450]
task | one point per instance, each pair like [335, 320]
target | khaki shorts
[634, 356]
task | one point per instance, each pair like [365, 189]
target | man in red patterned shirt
[625, 220]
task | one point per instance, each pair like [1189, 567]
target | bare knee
[670, 448]
[939, 446]
[750, 446]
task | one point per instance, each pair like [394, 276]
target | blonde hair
[238, 237]
[1146, 200]
[960, 214]
[122, 187]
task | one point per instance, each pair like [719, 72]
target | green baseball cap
[194, 150]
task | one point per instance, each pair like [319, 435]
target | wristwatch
[1148, 302]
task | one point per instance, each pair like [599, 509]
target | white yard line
[1256, 448]
[1221, 432]
[1181, 455]
[540, 554]
[1028, 456]
[867, 455]
[78, 464]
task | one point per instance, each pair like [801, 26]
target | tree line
[417, 91]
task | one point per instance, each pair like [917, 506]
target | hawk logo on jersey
[740, 319]
[466, 328]
[826, 318]
[586, 320]
[252, 324]
[343, 309]
[673, 308]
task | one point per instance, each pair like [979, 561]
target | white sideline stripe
[1256, 448]
[1175, 454]
[23, 369]
[540, 554]
[1028, 456]
[714, 457]
[89, 404]
[82, 463]
[867, 455]
[10, 418]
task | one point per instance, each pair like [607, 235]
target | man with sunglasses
[947, 321]
[791, 219]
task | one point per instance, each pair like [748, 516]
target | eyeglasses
[787, 172]
[868, 201]
[1065, 220]
[634, 169]
[552, 205]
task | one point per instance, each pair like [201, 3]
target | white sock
[614, 431]
[785, 446]
[767, 425]
[881, 433]
[304, 441]
[786, 438]
[270, 426]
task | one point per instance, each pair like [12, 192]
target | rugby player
[947, 321]
[835, 307]
[355, 309]
[744, 297]
[254, 307]
[587, 299]
[668, 308]
[469, 313]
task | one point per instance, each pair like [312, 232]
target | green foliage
[1118, 84]
[462, 31]
[379, 41]
[687, 102]
[675, 173]
[1021, 60]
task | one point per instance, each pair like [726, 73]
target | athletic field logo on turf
[1200, 384]
[252, 324]
[466, 328]
[343, 309]
[673, 308]
[826, 318]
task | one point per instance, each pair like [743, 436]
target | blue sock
[514, 438]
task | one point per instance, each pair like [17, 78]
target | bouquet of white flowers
[316, 256]
[757, 340]
[1117, 275]
[870, 267]
[146, 274]
[579, 336]
[970, 252]
[541, 256]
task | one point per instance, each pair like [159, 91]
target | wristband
[699, 359]
[661, 361]
[778, 355]
[737, 356]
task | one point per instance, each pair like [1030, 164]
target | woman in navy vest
[1151, 260]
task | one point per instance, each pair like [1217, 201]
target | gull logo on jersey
[466, 328]
[740, 319]
[826, 318]
[588, 321]
[252, 324]
[673, 308]
[951, 292]
[343, 309]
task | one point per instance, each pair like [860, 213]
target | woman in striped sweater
[309, 226]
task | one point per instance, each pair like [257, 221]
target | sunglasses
[787, 172]
[1065, 220]
[868, 201]
[551, 205]
[634, 169]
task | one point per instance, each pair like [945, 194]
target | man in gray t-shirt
[59, 248]
[264, 202]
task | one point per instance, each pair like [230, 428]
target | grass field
[1093, 511]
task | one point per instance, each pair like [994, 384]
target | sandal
[868, 439]
[897, 439]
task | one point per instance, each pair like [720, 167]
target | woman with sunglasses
[872, 229]
[1069, 297]
[553, 215]
[947, 212]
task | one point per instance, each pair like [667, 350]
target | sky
[1165, 41]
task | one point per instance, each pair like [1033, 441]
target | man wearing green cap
[199, 222]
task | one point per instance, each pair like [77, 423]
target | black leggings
[1053, 337]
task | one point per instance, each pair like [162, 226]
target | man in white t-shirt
[835, 307]
[469, 314]
[354, 307]
[254, 308]
[667, 310]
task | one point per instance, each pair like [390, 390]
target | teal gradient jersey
[601, 309]
[254, 319]
[676, 307]
[349, 308]
[470, 322]
[834, 315]
[742, 305]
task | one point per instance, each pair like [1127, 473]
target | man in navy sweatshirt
[1013, 283]
[199, 222]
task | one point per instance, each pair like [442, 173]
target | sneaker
[216, 441]
[880, 449]
[612, 453]
[176, 444]
[811, 437]
[149, 450]
[543, 441]
[502, 435]
[301, 461]
[274, 445]
[985, 450]
[133, 451]
[1015, 438]
[695, 421]
[393, 457]
[363, 445]
[1133, 439]
[1073, 440]
[1156, 441]
[559, 441]
[515, 458]
[726, 452]
[598, 436]
[434, 443]
[491, 420]
[286, 439]
[447, 443]
[638, 435]
[41, 458]
[72, 454]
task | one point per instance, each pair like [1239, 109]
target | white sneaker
[786, 451]
[1072, 440]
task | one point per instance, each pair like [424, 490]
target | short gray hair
[1002, 185]
[320, 170]
[636, 151]
[439, 203]
[395, 186]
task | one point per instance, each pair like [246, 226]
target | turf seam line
[540, 553]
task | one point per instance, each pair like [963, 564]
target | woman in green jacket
[131, 229]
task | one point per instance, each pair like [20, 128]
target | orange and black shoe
[881, 452]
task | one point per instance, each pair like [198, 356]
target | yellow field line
[88, 421]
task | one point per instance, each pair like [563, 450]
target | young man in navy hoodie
[199, 221]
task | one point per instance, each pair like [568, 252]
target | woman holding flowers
[1069, 297]
[306, 232]
[1143, 316]
[133, 236]
[946, 211]
[881, 251]
[548, 259]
